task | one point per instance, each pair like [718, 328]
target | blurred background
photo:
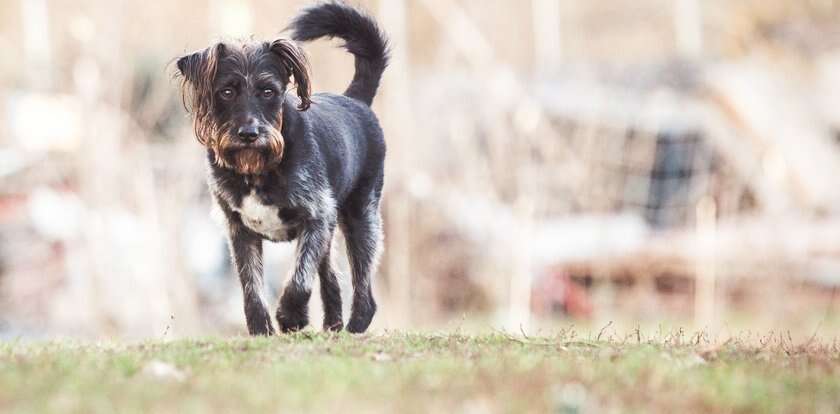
[643, 162]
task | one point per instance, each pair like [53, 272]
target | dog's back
[349, 141]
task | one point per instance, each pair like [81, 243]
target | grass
[401, 372]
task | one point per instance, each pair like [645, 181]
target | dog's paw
[291, 320]
[261, 329]
[259, 322]
[333, 325]
[361, 316]
[359, 325]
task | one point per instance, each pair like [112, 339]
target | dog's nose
[248, 132]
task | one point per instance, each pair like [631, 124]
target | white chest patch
[262, 218]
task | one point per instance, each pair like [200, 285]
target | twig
[602, 331]
[825, 317]
[168, 325]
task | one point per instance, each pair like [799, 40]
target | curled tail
[362, 38]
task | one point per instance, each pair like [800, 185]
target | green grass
[398, 372]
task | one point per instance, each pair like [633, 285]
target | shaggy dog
[285, 167]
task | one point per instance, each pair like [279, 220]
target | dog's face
[236, 94]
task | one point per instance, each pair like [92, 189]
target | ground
[401, 372]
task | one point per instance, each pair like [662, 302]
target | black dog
[288, 168]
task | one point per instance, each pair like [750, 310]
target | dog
[285, 167]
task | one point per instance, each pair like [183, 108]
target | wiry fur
[288, 168]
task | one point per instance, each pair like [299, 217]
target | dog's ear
[198, 69]
[297, 66]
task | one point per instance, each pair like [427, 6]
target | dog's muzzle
[251, 152]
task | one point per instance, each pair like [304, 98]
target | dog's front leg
[313, 244]
[246, 251]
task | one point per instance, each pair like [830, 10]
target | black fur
[362, 38]
[284, 168]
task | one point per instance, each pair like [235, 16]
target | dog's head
[236, 94]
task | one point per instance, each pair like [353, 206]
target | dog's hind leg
[363, 232]
[312, 246]
[246, 252]
[330, 295]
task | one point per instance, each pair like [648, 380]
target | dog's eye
[227, 94]
[268, 93]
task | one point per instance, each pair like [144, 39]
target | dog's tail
[362, 38]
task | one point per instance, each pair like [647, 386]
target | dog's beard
[249, 160]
